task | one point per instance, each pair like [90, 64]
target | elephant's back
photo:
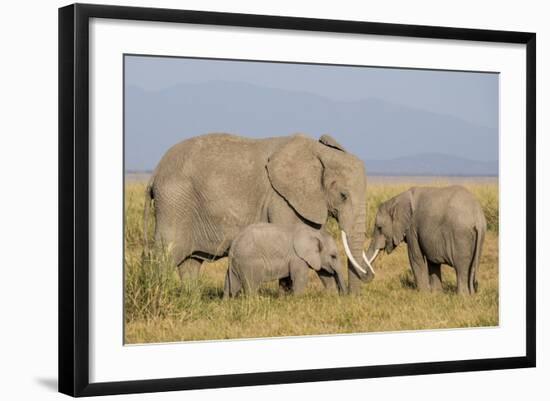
[452, 206]
[225, 171]
[215, 151]
[462, 202]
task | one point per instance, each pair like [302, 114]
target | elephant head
[318, 179]
[392, 221]
[318, 249]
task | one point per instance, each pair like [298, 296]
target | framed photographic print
[251, 199]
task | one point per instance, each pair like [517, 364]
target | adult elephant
[208, 188]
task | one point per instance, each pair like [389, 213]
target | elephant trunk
[340, 282]
[353, 244]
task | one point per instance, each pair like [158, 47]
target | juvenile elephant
[264, 252]
[208, 188]
[440, 225]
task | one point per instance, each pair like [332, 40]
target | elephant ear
[327, 140]
[401, 214]
[296, 173]
[308, 247]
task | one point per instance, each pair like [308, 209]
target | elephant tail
[149, 196]
[476, 259]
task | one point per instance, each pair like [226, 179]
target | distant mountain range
[390, 138]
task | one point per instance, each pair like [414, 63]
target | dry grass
[159, 308]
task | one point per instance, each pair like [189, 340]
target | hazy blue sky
[425, 111]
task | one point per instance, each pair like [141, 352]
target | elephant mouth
[329, 270]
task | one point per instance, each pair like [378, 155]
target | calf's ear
[308, 247]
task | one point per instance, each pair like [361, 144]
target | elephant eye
[333, 256]
[343, 196]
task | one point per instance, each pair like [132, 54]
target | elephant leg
[418, 263]
[328, 280]
[434, 270]
[189, 269]
[462, 278]
[472, 279]
[299, 283]
[232, 284]
[473, 284]
[299, 276]
[463, 262]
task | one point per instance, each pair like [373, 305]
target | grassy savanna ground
[159, 308]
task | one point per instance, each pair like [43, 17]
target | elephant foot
[423, 288]
[462, 292]
[436, 286]
[423, 285]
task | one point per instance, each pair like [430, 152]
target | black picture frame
[74, 198]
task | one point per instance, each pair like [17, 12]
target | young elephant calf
[265, 252]
[440, 226]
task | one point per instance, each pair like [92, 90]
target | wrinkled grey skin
[208, 188]
[264, 252]
[439, 225]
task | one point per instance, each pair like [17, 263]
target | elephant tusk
[369, 262]
[374, 256]
[349, 255]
